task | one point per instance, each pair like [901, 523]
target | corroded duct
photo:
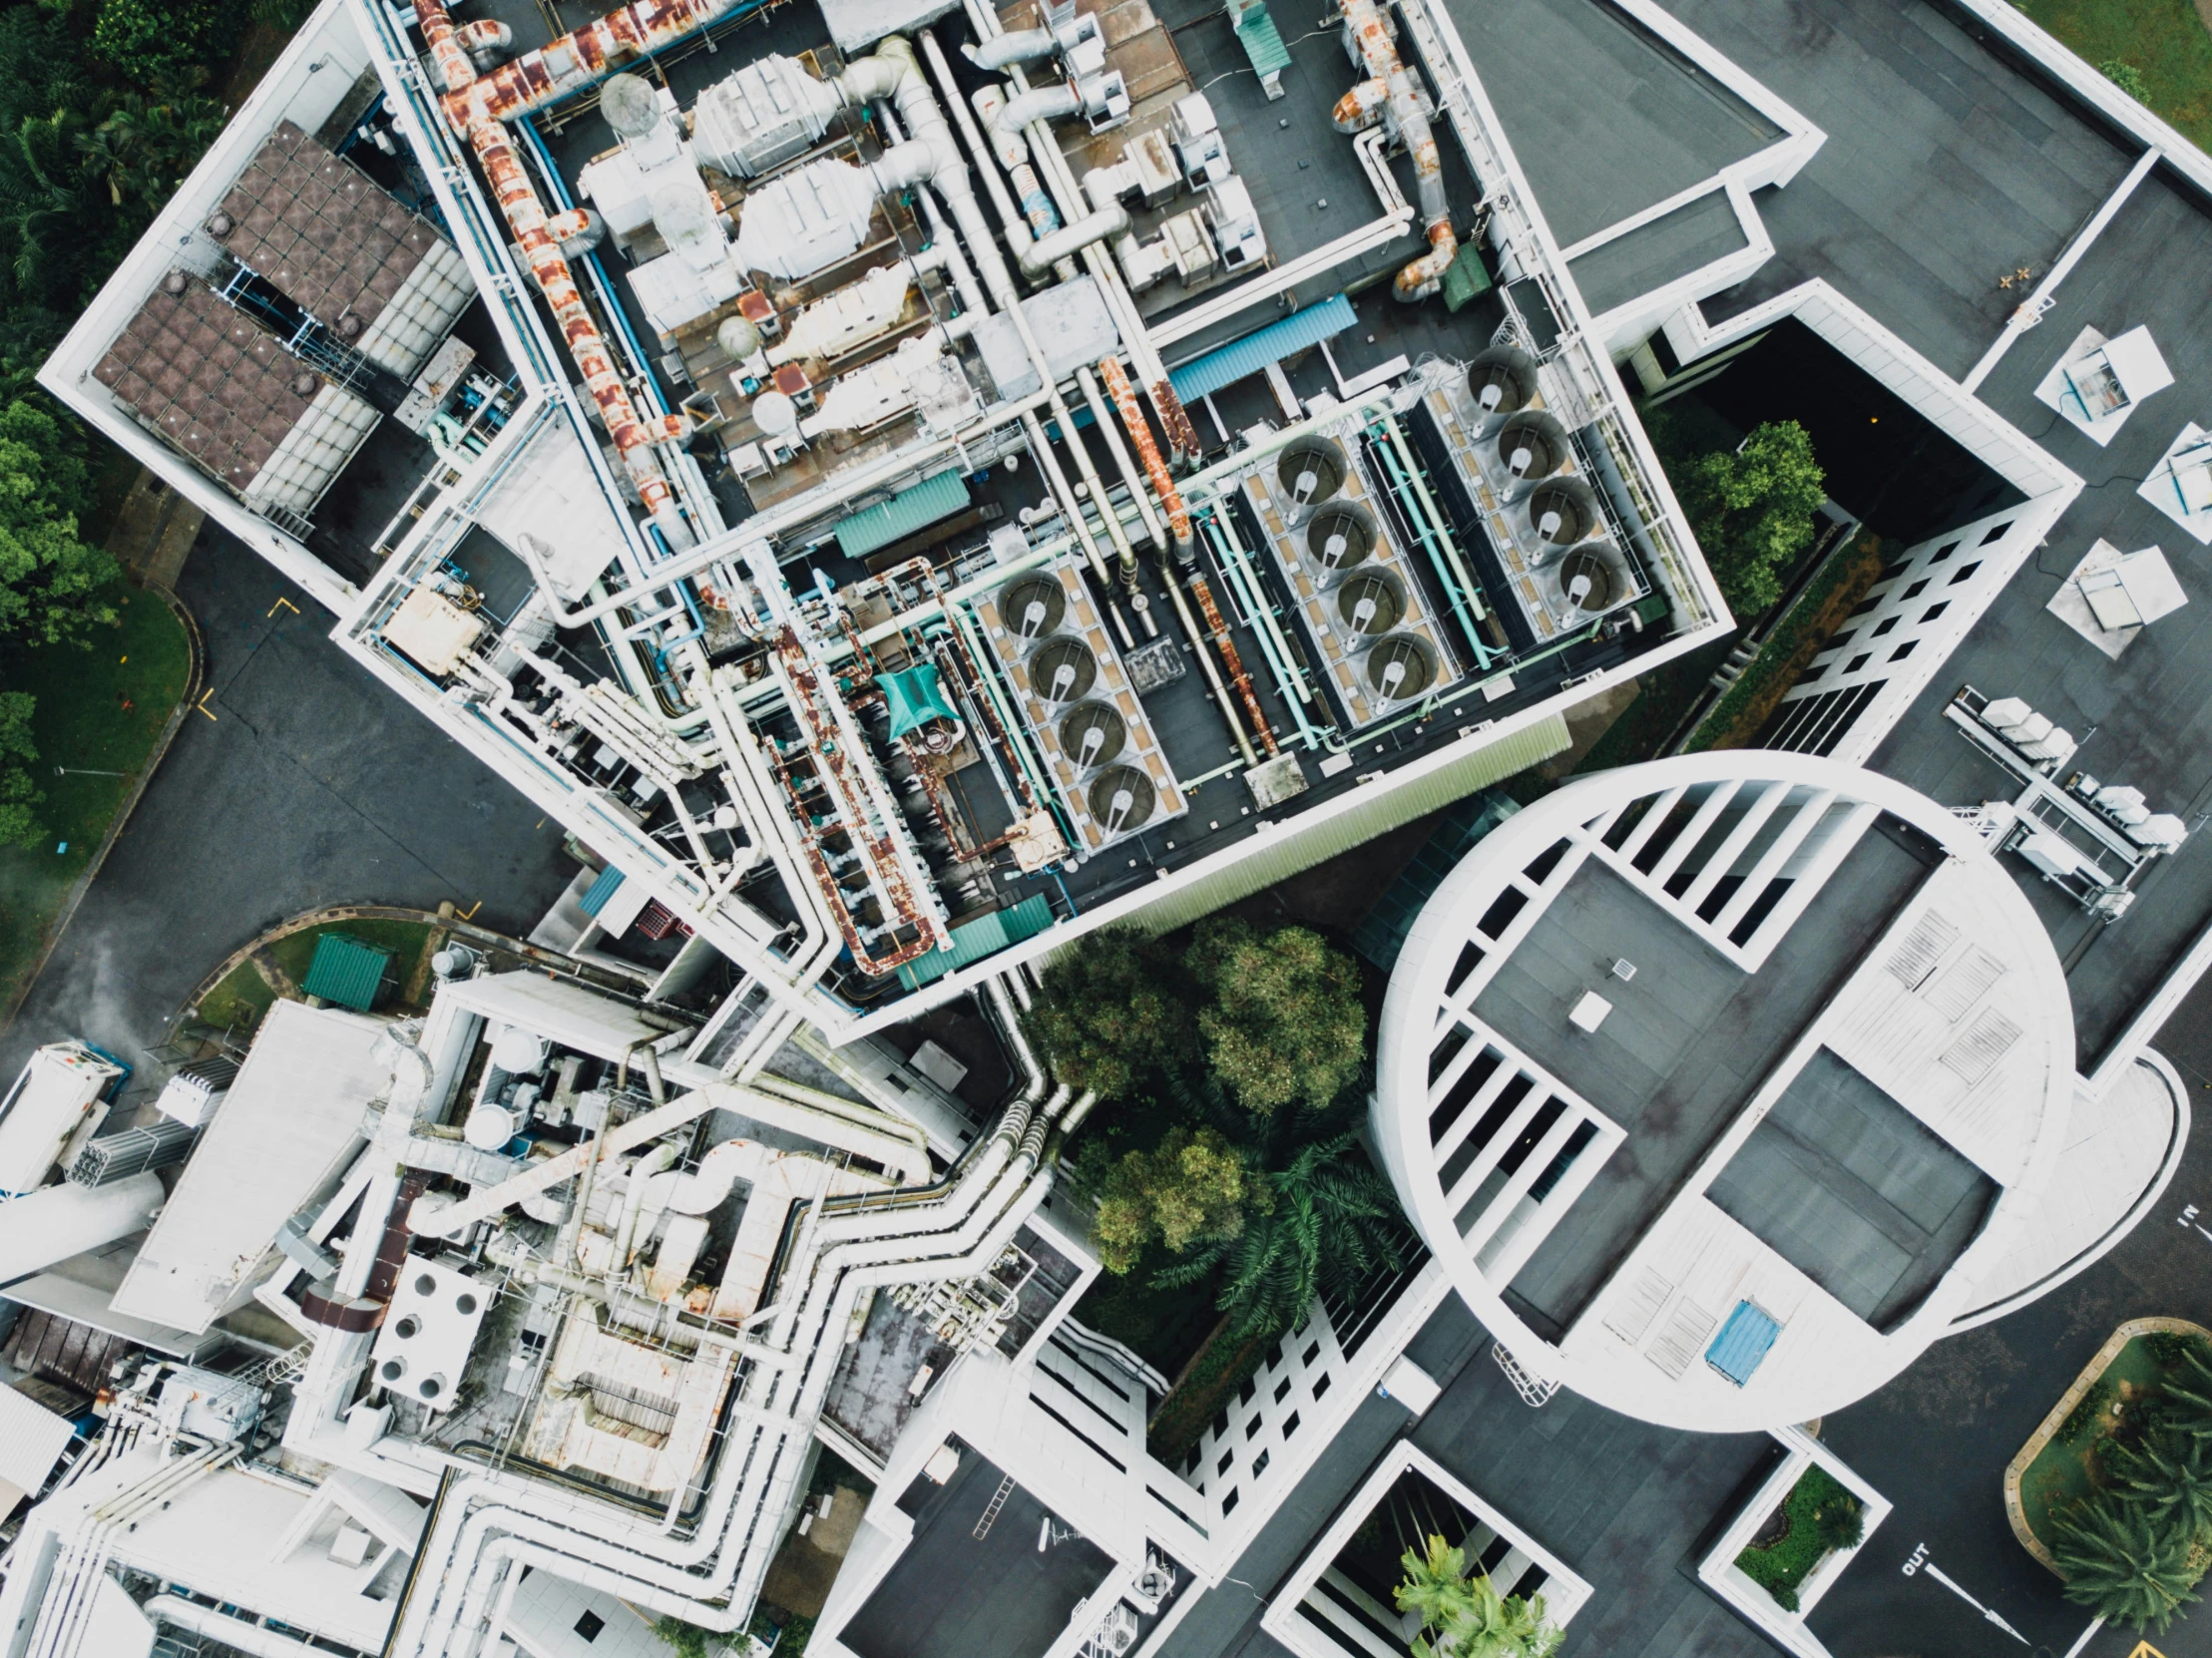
[580, 58]
[468, 104]
[1371, 35]
[1164, 484]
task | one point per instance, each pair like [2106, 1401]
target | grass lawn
[244, 993]
[2164, 39]
[100, 708]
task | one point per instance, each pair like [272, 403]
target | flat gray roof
[1687, 1041]
[953, 1594]
[1853, 1190]
[1673, 246]
[1604, 119]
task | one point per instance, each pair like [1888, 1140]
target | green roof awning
[913, 698]
[346, 973]
[1257, 34]
[906, 512]
[974, 940]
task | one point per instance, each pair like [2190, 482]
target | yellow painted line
[201, 705]
[469, 914]
[283, 604]
[2143, 1649]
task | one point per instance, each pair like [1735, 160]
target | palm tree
[1329, 1222]
[1465, 1617]
[2121, 1565]
[2170, 1474]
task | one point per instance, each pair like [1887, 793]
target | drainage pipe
[1362, 21]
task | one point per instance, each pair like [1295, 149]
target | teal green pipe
[1442, 557]
[1242, 579]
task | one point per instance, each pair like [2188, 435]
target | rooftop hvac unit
[1502, 380]
[1588, 578]
[118, 1156]
[1121, 799]
[195, 1091]
[1370, 604]
[1034, 608]
[1400, 668]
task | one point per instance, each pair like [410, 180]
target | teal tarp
[913, 698]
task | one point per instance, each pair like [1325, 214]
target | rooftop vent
[1501, 379]
[1370, 604]
[1309, 472]
[1064, 670]
[1340, 536]
[1092, 734]
[1533, 446]
[630, 104]
[1033, 608]
[1122, 798]
[1400, 668]
[1586, 579]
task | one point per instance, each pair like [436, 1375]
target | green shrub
[2087, 1416]
[2127, 78]
[1822, 1516]
[2170, 1347]
[688, 1639]
[144, 40]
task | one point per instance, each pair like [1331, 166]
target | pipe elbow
[875, 76]
[1039, 104]
[1425, 276]
[1360, 108]
[1019, 46]
[1111, 220]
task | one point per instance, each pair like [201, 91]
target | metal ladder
[990, 1513]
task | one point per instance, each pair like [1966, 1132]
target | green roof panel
[974, 940]
[906, 512]
[346, 973]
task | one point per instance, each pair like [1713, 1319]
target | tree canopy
[53, 588]
[1116, 1013]
[1752, 509]
[20, 795]
[1190, 1189]
[1465, 1617]
[1285, 1024]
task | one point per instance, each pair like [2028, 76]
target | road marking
[283, 604]
[2086, 1636]
[469, 914]
[201, 705]
[2143, 1649]
[1920, 1562]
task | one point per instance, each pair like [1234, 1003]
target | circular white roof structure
[1716, 1084]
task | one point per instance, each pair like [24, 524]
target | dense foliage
[104, 107]
[1229, 1157]
[1818, 1516]
[1465, 1617]
[1752, 509]
[2135, 1550]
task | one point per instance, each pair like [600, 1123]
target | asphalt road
[1937, 1441]
[309, 785]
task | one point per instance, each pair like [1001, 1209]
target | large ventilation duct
[1019, 46]
[56, 1222]
[1363, 19]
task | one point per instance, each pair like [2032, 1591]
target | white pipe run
[914, 1228]
[1053, 103]
[232, 1632]
[663, 1564]
[56, 1222]
[1065, 244]
[1018, 45]
[1362, 21]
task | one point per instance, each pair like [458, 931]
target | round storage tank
[1533, 446]
[1400, 668]
[1309, 471]
[1562, 512]
[1587, 578]
[1032, 608]
[1501, 379]
[1339, 536]
[1092, 734]
[1120, 798]
[1370, 604]
[1064, 670]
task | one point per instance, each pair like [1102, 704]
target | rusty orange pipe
[579, 57]
[1372, 37]
[518, 201]
[1164, 484]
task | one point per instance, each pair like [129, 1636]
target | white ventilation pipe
[483, 1536]
[1363, 19]
[56, 1222]
[1096, 227]
[236, 1633]
[1020, 46]
[1053, 102]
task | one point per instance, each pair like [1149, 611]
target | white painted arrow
[1935, 1572]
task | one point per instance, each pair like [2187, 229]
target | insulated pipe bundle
[475, 112]
[1363, 19]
